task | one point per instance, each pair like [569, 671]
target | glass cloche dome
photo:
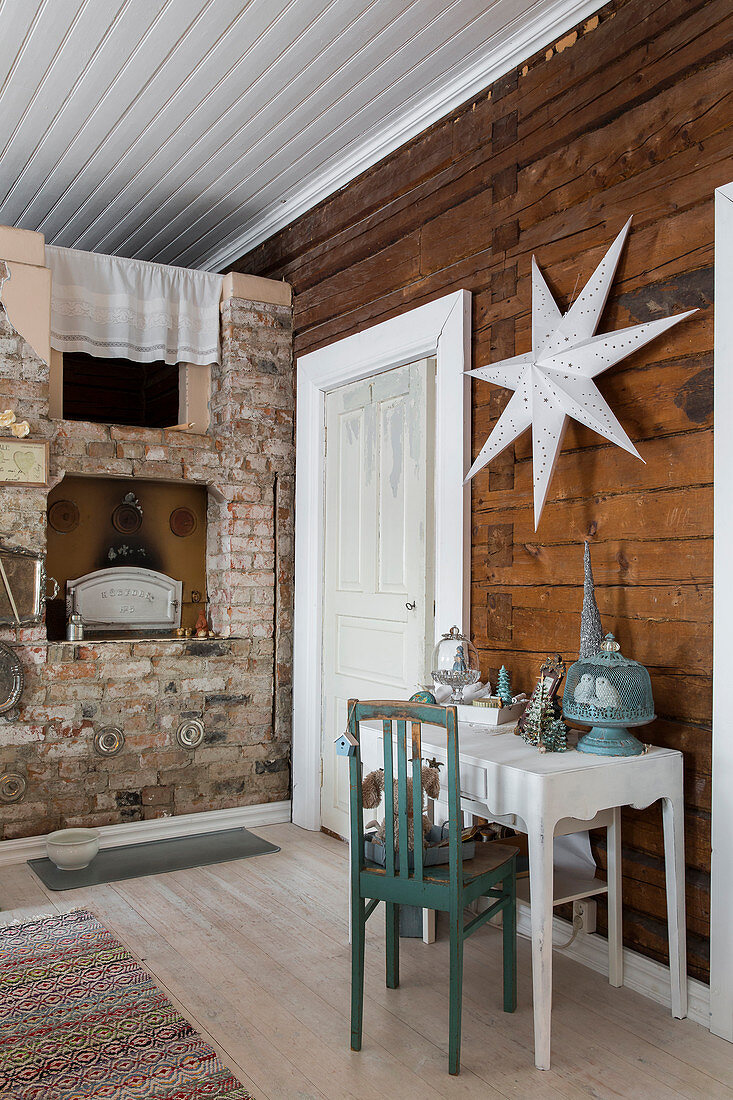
[609, 692]
[455, 663]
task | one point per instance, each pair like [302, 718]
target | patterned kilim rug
[81, 1020]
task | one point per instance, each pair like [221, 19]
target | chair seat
[489, 857]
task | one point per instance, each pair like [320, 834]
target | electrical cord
[577, 927]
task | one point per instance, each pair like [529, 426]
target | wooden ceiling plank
[144, 76]
[112, 79]
[174, 129]
[252, 109]
[38, 61]
[15, 35]
[543, 24]
[181, 116]
[326, 142]
[219, 123]
[76, 58]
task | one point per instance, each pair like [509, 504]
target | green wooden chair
[451, 887]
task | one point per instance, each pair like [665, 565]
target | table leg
[615, 911]
[674, 861]
[428, 915]
[540, 836]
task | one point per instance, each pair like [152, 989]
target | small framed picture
[24, 462]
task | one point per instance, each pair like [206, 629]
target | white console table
[555, 794]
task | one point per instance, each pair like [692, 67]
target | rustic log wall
[629, 114]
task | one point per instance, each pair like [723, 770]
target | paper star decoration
[554, 380]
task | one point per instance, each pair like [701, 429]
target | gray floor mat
[154, 858]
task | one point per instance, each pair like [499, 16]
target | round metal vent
[190, 733]
[12, 787]
[109, 741]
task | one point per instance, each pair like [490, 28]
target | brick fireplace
[237, 684]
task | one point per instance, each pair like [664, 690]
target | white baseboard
[159, 828]
[640, 973]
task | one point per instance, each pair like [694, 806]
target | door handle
[410, 606]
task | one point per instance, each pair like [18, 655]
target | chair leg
[393, 944]
[509, 942]
[358, 935]
[456, 992]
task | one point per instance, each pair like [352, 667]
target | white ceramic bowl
[72, 849]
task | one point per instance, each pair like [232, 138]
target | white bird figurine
[606, 693]
[584, 689]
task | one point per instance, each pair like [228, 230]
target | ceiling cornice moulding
[520, 41]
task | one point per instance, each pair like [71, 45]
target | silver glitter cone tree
[591, 631]
[540, 716]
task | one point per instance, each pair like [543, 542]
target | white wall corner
[721, 884]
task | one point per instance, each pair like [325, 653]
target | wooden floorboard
[254, 953]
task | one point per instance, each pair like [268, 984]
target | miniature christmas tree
[557, 738]
[504, 687]
[539, 718]
[591, 631]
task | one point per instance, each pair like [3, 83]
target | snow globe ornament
[609, 692]
[455, 663]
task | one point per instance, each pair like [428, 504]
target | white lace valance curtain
[112, 307]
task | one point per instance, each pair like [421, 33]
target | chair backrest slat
[390, 713]
[388, 797]
[417, 797]
[356, 802]
[454, 801]
[401, 798]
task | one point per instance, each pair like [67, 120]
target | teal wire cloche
[610, 693]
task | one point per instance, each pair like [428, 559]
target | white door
[378, 584]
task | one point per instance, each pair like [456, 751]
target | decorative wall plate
[11, 678]
[126, 519]
[63, 516]
[190, 733]
[183, 522]
[109, 740]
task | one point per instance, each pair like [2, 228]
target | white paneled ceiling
[187, 131]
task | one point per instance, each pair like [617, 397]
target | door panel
[392, 528]
[372, 650]
[378, 539]
[350, 456]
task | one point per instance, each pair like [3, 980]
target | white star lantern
[554, 380]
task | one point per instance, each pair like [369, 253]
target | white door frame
[441, 329]
[721, 885]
